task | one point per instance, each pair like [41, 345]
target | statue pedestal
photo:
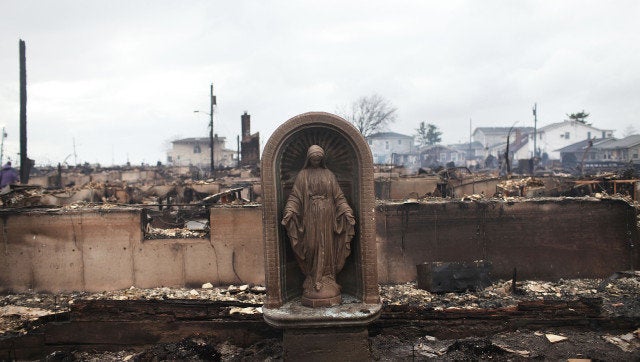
[337, 333]
[326, 344]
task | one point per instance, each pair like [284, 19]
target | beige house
[196, 151]
[624, 150]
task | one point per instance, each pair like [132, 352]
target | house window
[196, 149]
[399, 142]
[443, 157]
[635, 155]
[454, 157]
[588, 135]
[386, 145]
[566, 135]
[370, 142]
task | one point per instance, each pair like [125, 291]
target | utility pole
[213, 102]
[535, 130]
[25, 164]
[469, 157]
[238, 140]
[4, 135]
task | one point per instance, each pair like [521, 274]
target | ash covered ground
[620, 297]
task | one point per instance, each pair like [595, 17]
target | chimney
[518, 136]
[246, 124]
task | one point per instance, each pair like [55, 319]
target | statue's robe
[321, 226]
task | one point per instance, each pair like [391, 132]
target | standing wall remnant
[97, 250]
[542, 238]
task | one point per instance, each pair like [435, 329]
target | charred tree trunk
[506, 157]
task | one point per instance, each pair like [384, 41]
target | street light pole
[213, 102]
[535, 130]
[210, 114]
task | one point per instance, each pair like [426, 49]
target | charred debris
[175, 201]
[461, 182]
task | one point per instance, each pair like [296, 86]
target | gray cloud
[123, 77]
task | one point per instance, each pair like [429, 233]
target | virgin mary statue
[320, 225]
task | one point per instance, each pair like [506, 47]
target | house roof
[570, 122]
[582, 145]
[193, 140]
[433, 147]
[502, 130]
[388, 135]
[465, 146]
[626, 142]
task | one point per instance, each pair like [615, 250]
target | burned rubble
[614, 300]
[577, 318]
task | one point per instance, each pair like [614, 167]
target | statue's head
[315, 157]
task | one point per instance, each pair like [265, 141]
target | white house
[196, 151]
[518, 148]
[491, 136]
[558, 135]
[392, 148]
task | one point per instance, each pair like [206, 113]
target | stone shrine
[319, 235]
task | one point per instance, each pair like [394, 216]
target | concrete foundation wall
[403, 188]
[58, 251]
[106, 250]
[542, 239]
[97, 250]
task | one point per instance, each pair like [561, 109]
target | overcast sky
[123, 78]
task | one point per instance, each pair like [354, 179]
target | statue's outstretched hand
[287, 216]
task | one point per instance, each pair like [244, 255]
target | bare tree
[370, 114]
[629, 130]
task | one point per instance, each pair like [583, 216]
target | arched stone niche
[348, 156]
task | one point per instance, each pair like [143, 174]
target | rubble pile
[21, 312]
[515, 187]
[172, 233]
[619, 296]
[124, 193]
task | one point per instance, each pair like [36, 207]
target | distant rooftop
[626, 142]
[388, 135]
[502, 130]
[465, 146]
[192, 140]
[559, 124]
[582, 145]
